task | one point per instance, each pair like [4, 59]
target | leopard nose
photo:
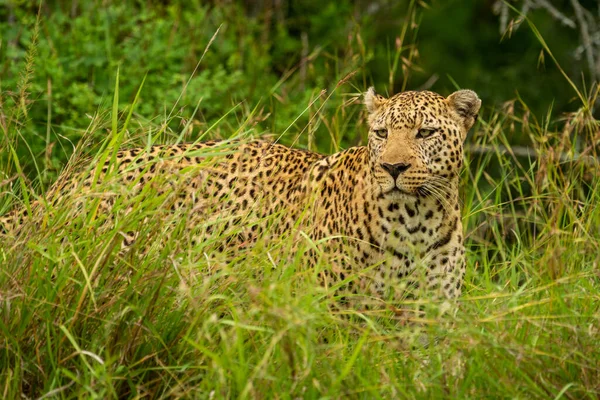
[395, 169]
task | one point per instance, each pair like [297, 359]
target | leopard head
[416, 139]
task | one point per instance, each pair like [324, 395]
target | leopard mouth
[398, 190]
[420, 191]
[395, 189]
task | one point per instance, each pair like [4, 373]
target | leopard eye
[381, 133]
[424, 133]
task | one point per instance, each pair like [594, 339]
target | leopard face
[416, 139]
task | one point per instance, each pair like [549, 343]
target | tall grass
[173, 318]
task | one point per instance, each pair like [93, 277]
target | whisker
[438, 192]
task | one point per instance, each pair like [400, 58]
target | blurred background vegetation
[273, 59]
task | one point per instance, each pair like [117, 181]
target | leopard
[387, 214]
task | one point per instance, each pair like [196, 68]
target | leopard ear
[466, 104]
[373, 100]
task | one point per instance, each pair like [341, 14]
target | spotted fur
[387, 214]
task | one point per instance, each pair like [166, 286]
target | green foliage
[249, 60]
